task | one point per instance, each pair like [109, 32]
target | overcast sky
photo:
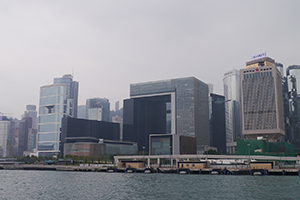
[110, 44]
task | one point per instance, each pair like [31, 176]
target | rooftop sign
[260, 55]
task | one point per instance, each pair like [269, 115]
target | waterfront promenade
[219, 164]
[214, 170]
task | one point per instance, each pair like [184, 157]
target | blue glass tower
[56, 101]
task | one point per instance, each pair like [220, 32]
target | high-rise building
[293, 87]
[98, 109]
[117, 106]
[25, 131]
[6, 136]
[28, 130]
[72, 89]
[262, 104]
[56, 101]
[81, 112]
[84, 130]
[176, 106]
[232, 94]
[217, 122]
[31, 112]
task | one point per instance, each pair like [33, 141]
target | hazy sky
[110, 44]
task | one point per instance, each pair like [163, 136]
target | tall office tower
[72, 90]
[280, 69]
[81, 114]
[6, 136]
[31, 112]
[232, 94]
[217, 122]
[55, 103]
[293, 87]
[98, 109]
[25, 131]
[117, 106]
[262, 110]
[176, 106]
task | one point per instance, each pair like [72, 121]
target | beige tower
[262, 104]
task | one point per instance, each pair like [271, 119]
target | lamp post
[143, 156]
[170, 155]
[249, 154]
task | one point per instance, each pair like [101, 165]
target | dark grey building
[293, 102]
[217, 122]
[25, 132]
[175, 106]
[83, 128]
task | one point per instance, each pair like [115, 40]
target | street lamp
[249, 154]
[143, 156]
[170, 155]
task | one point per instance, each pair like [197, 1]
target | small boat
[129, 171]
[214, 173]
[257, 174]
[182, 172]
[110, 171]
[147, 171]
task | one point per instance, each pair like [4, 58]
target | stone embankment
[111, 169]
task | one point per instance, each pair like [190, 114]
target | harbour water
[20, 184]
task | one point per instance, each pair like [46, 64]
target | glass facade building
[176, 106]
[217, 122]
[262, 104]
[5, 135]
[98, 109]
[54, 105]
[293, 89]
[293, 71]
[72, 90]
[232, 94]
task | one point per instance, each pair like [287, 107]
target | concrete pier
[220, 171]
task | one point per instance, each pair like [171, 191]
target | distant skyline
[111, 44]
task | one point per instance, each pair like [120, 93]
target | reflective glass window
[53, 100]
[48, 91]
[50, 118]
[47, 118]
[59, 108]
[48, 146]
[49, 127]
[48, 137]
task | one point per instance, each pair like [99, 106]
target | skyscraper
[262, 104]
[25, 131]
[81, 112]
[56, 101]
[117, 106]
[217, 122]
[232, 94]
[31, 112]
[6, 136]
[176, 106]
[98, 109]
[72, 89]
[293, 84]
